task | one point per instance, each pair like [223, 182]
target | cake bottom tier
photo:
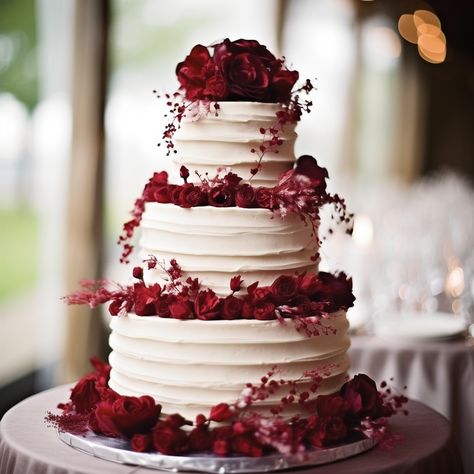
[190, 366]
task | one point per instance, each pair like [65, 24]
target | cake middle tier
[215, 244]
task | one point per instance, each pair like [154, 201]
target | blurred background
[393, 122]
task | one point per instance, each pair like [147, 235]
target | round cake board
[119, 451]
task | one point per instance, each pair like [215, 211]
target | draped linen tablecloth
[440, 374]
[28, 446]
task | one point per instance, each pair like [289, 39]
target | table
[441, 374]
[28, 446]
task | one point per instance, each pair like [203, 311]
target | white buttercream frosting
[188, 366]
[224, 141]
[215, 244]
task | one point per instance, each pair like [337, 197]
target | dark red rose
[331, 405]
[247, 308]
[126, 416]
[232, 179]
[85, 395]
[261, 293]
[221, 412]
[264, 198]
[179, 307]
[102, 370]
[159, 178]
[170, 440]
[307, 166]
[335, 290]
[245, 46]
[141, 442]
[283, 289]
[282, 84]
[162, 193]
[329, 430]
[145, 298]
[162, 307]
[207, 305]
[115, 306]
[231, 307]
[236, 283]
[190, 196]
[221, 196]
[247, 445]
[308, 284]
[245, 196]
[221, 447]
[264, 310]
[200, 439]
[361, 395]
[197, 76]
[175, 194]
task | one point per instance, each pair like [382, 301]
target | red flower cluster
[237, 70]
[356, 407]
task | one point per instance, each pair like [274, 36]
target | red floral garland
[301, 191]
[356, 410]
[305, 298]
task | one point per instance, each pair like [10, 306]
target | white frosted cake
[191, 365]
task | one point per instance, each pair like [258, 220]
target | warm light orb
[407, 28]
[421, 17]
[363, 233]
[432, 48]
[454, 284]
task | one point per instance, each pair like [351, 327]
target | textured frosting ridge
[214, 244]
[189, 366]
[225, 141]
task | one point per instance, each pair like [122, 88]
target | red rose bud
[307, 166]
[361, 395]
[221, 412]
[141, 442]
[184, 173]
[245, 196]
[179, 307]
[283, 289]
[126, 416]
[200, 439]
[207, 305]
[221, 196]
[138, 273]
[200, 419]
[264, 198]
[115, 307]
[236, 283]
[231, 307]
[264, 310]
[85, 395]
[168, 439]
[176, 420]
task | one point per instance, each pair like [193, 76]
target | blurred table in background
[440, 374]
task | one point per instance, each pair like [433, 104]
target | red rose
[207, 305]
[162, 307]
[247, 308]
[361, 395]
[126, 416]
[175, 194]
[162, 193]
[198, 76]
[231, 307]
[141, 442]
[85, 395]
[221, 412]
[264, 198]
[184, 173]
[247, 445]
[179, 307]
[261, 293]
[283, 289]
[264, 310]
[335, 290]
[282, 84]
[307, 166]
[145, 298]
[331, 405]
[221, 196]
[168, 439]
[138, 273]
[328, 430]
[200, 439]
[309, 284]
[159, 178]
[236, 283]
[190, 196]
[245, 196]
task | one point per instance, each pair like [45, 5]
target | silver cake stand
[119, 451]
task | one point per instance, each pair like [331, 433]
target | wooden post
[85, 332]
